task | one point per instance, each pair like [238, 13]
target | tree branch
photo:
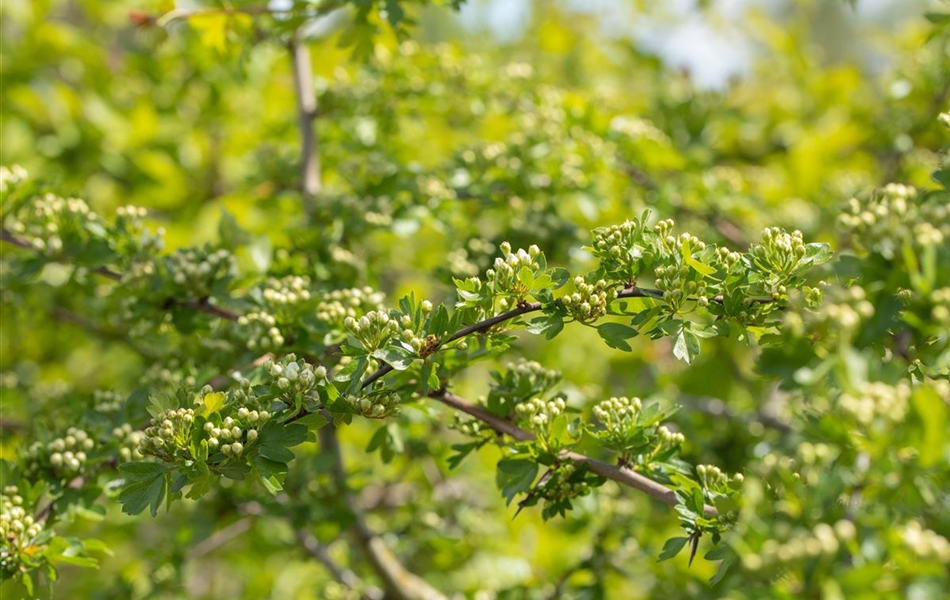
[306, 115]
[399, 582]
[621, 475]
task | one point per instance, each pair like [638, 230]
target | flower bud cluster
[712, 477]
[618, 414]
[232, 436]
[262, 331]
[373, 329]
[286, 293]
[64, 457]
[538, 414]
[564, 484]
[843, 314]
[54, 222]
[504, 277]
[420, 343]
[12, 176]
[925, 543]
[780, 255]
[882, 221]
[107, 401]
[940, 306]
[728, 258]
[823, 540]
[337, 305]
[681, 283]
[169, 435]
[168, 374]
[877, 402]
[376, 406]
[198, 269]
[589, 301]
[129, 442]
[18, 530]
[293, 377]
[620, 249]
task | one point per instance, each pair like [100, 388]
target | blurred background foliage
[531, 122]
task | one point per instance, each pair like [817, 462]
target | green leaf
[274, 439]
[150, 492]
[271, 472]
[141, 471]
[704, 270]
[933, 413]
[515, 476]
[548, 325]
[616, 334]
[212, 403]
[672, 547]
[397, 357]
[686, 347]
[313, 421]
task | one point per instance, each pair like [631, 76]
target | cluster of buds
[376, 406]
[779, 256]
[565, 483]
[882, 221]
[18, 531]
[618, 415]
[589, 301]
[12, 176]
[434, 188]
[925, 543]
[130, 221]
[129, 441]
[294, 377]
[373, 329]
[940, 303]
[679, 284]
[538, 414]
[64, 457]
[232, 436]
[713, 478]
[107, 401]
[54, 222]
[620, 249]
[338, 305]
[286, 293]
[197, 269]
[822, 540]
[169, 435]
[843, 314]
[728, 258]
[505, 275]
[168, 374]
[262, 331]
[526, 374]
[877, 402]
[638, 128]
[409, 335]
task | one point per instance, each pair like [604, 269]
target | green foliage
[774, 403]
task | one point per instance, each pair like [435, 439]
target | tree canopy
[354, 299]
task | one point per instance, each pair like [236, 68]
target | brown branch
[306, 116]
[221, 537]
[201, 305]
[400, 584]
[617, 473]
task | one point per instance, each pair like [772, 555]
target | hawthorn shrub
[594, 344]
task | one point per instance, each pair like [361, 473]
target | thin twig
[616, 473]
[221, 537]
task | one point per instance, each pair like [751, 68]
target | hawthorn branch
[400, 583]
[198, 305]
[347, 577]
[306, 117]
[621, 475]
